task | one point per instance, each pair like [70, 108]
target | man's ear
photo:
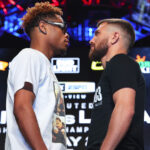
[115, 38]
[42, 27]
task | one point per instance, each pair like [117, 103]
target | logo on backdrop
[78, 100]
[96, 66]
[3, 122]
[65, 65]
[3, 65]
[144, 65]
[77, 87]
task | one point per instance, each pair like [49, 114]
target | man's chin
[97, 56]
[91, 55]
[62, 52]
[94, 57]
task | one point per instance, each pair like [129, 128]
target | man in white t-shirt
[34, 100]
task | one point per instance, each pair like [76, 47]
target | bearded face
[98, 50]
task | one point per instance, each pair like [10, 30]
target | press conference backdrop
[78, 77]
[142, 56]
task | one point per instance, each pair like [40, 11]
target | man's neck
[42, 49]
[109, 56]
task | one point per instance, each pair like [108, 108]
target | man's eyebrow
[96, 31]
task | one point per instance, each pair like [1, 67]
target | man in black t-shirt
[118, 114]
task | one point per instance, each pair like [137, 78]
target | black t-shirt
[121, 72]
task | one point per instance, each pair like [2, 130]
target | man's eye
[96, 33]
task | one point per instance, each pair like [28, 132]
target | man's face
[58, 124]
[57, 38]
[99, 43]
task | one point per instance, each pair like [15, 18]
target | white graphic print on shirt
[58, 132]
[98, 97]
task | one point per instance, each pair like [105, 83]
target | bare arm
[26, 119]
[121, 118]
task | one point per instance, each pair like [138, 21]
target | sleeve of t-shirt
[26, 68]
[122, 73]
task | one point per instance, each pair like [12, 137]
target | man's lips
[67, 41]
[92, 47]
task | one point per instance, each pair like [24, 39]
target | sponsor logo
[2, 117]
[77, 87]
[3, 65]
[146, 117]
[96, 66]
[144, 65]
[65, 65]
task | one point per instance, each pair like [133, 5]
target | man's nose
[67, 35]
[91, 41]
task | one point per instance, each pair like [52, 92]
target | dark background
[76, 13]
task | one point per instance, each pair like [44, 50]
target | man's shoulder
[123, 60]
[122, 64]
[29, 57]
[28, 53]
[23, 54]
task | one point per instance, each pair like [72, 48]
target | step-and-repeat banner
[78, 77]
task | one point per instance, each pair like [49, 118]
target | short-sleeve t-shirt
[34, 67]
[120, 72]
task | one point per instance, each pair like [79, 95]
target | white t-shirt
[33, 66]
